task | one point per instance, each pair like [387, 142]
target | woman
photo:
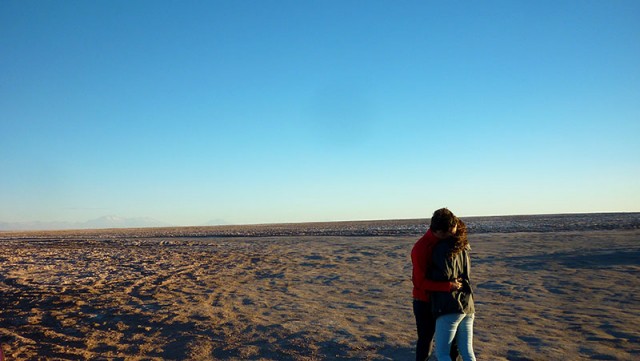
[454, 311]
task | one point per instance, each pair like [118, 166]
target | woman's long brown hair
[460, 241]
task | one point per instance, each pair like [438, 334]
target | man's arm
[421, 260]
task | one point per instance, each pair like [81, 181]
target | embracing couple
[442, 295]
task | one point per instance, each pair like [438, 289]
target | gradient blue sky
[292, 111]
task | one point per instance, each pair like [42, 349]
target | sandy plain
[563, 287]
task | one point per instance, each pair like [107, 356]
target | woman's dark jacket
[449, 269]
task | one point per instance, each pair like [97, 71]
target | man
[443, 226]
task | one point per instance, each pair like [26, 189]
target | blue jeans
[460, 326]
[426, 326]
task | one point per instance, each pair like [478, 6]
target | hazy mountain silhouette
[98, 223]
[120, 222]
[216, 222]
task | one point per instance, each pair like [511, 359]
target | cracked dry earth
[271, 299]
[540, 296]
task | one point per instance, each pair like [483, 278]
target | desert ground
[564, 287]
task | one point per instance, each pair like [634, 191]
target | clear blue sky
[291, 111]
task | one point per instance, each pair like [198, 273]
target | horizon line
[292, 223]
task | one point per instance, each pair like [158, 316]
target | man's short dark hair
[443, 220]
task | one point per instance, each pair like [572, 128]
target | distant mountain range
[216, 222]
[98, 223]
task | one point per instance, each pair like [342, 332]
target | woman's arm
[442, 269]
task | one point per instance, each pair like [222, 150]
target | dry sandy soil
[315, 292]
